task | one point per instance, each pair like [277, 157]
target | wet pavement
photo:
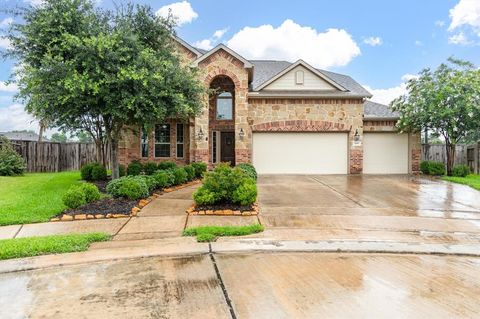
[259, 285]
[387, 208]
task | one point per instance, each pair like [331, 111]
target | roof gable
[318, 79]
[188, 46]
[221, 46]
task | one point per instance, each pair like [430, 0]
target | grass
[33, 197]
[471, 180]
[56, 244]
[210, 233]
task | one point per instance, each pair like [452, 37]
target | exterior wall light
[356, 138]
[241, 134]
[200, 134]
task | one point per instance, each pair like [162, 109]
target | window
[214, 146]
[225, 106]
[144, 143]
[299, 77]
[180, 139]
[162, 140]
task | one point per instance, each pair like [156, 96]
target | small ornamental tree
[445, 101]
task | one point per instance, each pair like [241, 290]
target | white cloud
[418, 43]
[12, 87]
[6, 22]
[208, 44]
[465, 13]
[205, 44]
[181, 11]
[373, 41]
[291, 41]
[385, 96]
[439, 23]
[219, 33]
[459, 38]
[14, 117]
[5, 43]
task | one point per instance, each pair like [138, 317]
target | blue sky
[379, 43]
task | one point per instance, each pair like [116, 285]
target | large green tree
[445, 101]
[102, 71]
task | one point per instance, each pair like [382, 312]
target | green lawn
[471, 180]
[56, 244]
[209, 233]
[33, 197]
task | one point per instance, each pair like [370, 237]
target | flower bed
[129, 194]
[227, 191]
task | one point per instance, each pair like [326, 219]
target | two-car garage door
[300, 153]
[327, 153]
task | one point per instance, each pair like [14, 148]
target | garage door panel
[385, 153]
[300, 153]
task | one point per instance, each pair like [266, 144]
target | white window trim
[160, 143]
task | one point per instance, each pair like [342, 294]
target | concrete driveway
[393, 208]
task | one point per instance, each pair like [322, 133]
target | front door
[227, 153]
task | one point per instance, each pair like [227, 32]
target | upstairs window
[225, 106]
[162, 140]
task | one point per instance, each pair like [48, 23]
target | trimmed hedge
[132, 187]
[249, 169]
[134, 168]
[79, 195]
[180, 175]
[150, 168]
[11, 163]
[200, 168]
[190, 172]
[226, 185]
[167, 165]
[93, 172]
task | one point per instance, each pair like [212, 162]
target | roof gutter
[300, 95]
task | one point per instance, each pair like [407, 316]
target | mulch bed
[102, 185]
[104, 206]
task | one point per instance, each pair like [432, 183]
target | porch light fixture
[200, 134]
[241, 134]
[356, 136]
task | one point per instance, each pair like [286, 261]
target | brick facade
[225, 72]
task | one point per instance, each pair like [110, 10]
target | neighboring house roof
[265, 70]
[377, 111]
[21, 136]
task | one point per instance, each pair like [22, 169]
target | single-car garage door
[300, 153]
[385, 153]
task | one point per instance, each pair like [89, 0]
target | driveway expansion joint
[338, 192]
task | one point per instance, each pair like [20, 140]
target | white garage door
[300, 153]
[385, 153]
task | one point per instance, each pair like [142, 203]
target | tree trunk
[450, 148]
[114, 157]
[99, 149]
[41, 131]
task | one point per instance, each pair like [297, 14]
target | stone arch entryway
[221, 119]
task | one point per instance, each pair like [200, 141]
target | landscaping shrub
[134, 168]
[248, 169]
[150, 181]
[425, 167]
[200, 168]
[91, 192]
[74, 197]
[190, 172]
[164, 178]
[121, 170]
[246, 193]
[98, 173]
[11, 163]
[167, 165]
[436, 168]
[86, 171]
[150, 168]
[461, 170]
[132, 187]
[432, 168]
[226, 185]
[180, 175]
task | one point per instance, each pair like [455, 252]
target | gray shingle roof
[21, 136]
[373, 110]
[264, 70]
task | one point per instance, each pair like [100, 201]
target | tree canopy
[445, 101]
[99, 71]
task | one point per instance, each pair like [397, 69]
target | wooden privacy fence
[55, 157]
[438, 153]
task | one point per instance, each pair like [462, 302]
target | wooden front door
[227, 153]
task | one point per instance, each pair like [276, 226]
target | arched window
[225, 106]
